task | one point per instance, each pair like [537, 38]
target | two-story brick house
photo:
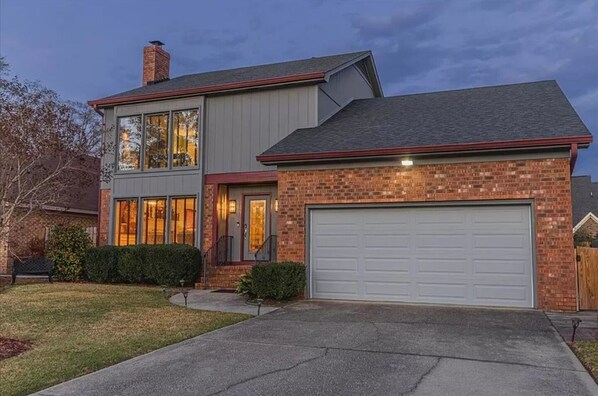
[459, 197]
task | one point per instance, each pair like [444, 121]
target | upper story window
[129, 143]
[185, 138]
[156, 141]
[152, 141]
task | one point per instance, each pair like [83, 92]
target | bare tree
[47, 149]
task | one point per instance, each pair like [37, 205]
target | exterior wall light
[406, 162]
[276, 205]
[232, 206]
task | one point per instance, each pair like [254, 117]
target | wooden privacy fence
[587, 277]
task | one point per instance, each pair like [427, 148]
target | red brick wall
[156, 64]
[547, 181]
[104, 220]
[208, 216]
[33, 227]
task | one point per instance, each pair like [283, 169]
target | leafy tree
[46, 144]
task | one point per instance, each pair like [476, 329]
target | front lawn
[587, 352]
[78, 328]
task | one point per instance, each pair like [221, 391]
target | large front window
[129, 146]
[126, 222]
[182, 220]
[156, 141]
[153, 222]
[185, 138]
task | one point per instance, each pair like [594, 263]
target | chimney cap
[157, 43]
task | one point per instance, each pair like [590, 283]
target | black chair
[32, 266]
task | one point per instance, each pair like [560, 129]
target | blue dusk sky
[90, 49]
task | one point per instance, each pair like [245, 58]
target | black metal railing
[266, 252]
[220, 253]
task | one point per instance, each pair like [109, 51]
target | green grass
[587, 352]
[79, 328]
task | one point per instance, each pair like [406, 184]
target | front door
[256, 227]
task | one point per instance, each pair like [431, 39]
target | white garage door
[474, 255]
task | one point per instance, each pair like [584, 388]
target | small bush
[245, 285]
[168, 264]
[131, 264]
[279, 281]
[66, 247]
[101, 263]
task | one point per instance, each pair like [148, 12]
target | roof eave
[273, 159]
[262, 83]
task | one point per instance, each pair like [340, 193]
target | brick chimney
[156, 63]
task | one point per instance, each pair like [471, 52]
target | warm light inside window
[232, 206]
[406, 162]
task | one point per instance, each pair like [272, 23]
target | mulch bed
[10, 347]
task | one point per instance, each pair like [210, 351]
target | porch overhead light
[406, 162]
[232, 206]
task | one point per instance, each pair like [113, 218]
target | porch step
[224, 277]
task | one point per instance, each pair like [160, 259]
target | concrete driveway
[320, 348]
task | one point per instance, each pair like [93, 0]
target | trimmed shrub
[131, 264]
[279, 281]
[101, 263]
[168, 264]
[244, 285]
[66, 247]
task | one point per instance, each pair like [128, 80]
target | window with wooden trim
[125, 222]
[153, 221]
[129, 143]
[156, 141]
[185, 138]
[183, 213]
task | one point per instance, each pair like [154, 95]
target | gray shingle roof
[536, 110]
[244, 74]
[585, 197]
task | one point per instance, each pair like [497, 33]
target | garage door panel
[516, 266]
[441, 265]
[391, 264]
[336, 264]
[479, 255]
[387, 289]
[497, 294]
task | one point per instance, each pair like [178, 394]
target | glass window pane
[185, 138]
[125, 222]
[153, 221]
[129, 143]
[156, 141]
[257, 224]
[182, 221]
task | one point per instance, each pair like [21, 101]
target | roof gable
[584, 194]
[311, 69]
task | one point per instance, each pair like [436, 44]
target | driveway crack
[272, 372]
[424, 375]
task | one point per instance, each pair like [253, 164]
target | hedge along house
[458, 197]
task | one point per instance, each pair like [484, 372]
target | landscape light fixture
[575, 323]
[406, 162]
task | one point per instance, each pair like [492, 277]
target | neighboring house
[74, 207]
[457, 197]
[585, 205]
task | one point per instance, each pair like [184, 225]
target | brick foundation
[104, 220]
[546, 181]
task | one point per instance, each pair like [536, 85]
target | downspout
[573, 156]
